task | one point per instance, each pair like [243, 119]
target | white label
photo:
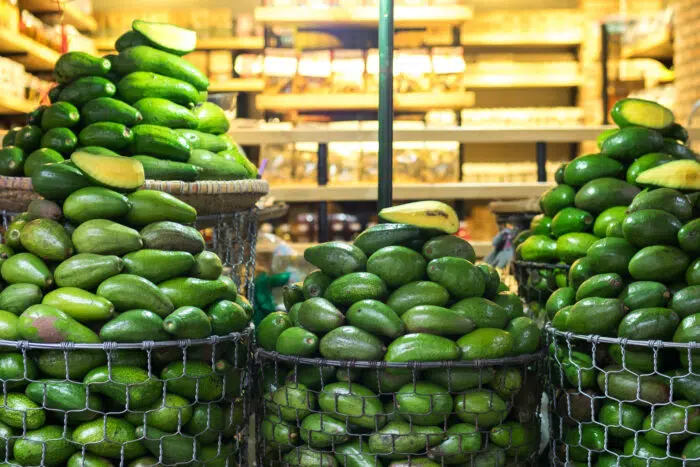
[315, 64]
[280, 62]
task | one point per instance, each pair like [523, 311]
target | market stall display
[123, 337]
[593, 193]
[342, 368]
[146, 102]
[623, 333]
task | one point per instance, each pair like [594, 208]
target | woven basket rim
[199, 187]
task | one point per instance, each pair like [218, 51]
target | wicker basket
[275, 211]
[16, 193]
[208, 197]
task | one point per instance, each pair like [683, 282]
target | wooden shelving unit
[255, 136]
[238, 85]
[369, 101]
[10, 105]
[212, 43]
[407, 192]
[71, 14]
[231, 43]
[557, 39]
[491, 81]
[33, 55]
[404, 16]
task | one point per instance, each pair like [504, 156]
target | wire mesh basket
[360, 413]
[162, 403]
[624, 402]
[537, 281]
[183, 402]
[234, 238]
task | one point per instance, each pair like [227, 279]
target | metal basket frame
[234, 237]
[523, 405]
[526, 270]
[226, 409]
[581, 384]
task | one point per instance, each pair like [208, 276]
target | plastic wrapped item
[412, 70]
[305, 162]
[12, 78]
[441, 162]
[409, 156]
[348, 68]
[372, 71]
[77, 42]
[448, 69]
[280, 67]
[36, 87]
[248, 65]
[441, 119]
[369, 159]
[32, 27]
[314, 72]
[504, 26]
[279, 157]
[522, 117]
[344, 157]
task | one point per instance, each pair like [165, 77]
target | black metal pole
[322, 179]
[386, 102]
[604, 39]
[541, 148]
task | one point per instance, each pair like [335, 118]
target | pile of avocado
[146, 102]
[641, 282]
[404, 291]
[102, 264]
[593, 191]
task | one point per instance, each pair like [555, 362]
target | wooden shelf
[553, 39]
[404, 16]
[71, 14]
[490, 81]
[33, 55]
[406, 192]
[10, 105]
[238, 85]
[231, 43]
[369, 101]
[213, 43]
[657, 45]
[256, 136]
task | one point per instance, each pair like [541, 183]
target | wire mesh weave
[353, 413]
[537, 281]
[234, 239]
[624, 402]
[154, 403]
[175, 402]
